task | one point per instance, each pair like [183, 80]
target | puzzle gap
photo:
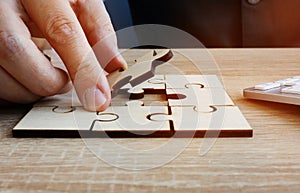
[176, 96]
[107, 117]
[205, 109]
[60, 109]
[194, 84]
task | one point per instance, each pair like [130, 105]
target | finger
[12, 91]
[34, 30]
[20, 57]
[18, 9]
[59, 24]
[97, 26]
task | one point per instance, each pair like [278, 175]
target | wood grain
[270, 161]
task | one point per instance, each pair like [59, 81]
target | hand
[72, 27]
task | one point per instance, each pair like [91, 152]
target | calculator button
[286, 81]
[291, 90]
[267, 86]
[293, 82]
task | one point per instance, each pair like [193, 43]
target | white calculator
[282, 91]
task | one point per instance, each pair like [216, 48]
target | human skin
[73, 28]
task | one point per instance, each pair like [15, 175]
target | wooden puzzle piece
[186, 81]
[159, 83]
[221, 121]
[139, 72]
[150, 86]
[118, 121]
[132, 121]
[199, 97]
[54, 121]
[153, 85]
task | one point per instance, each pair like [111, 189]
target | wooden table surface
[270, 161]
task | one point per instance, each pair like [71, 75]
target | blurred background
[217, 23]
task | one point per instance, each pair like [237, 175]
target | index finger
[58, 23]
[99, 31]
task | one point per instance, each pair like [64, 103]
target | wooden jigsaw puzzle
[144, 105]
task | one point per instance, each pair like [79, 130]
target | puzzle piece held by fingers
[153, 85]
[140, 72]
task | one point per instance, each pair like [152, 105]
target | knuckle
[79, 2]
[11, 44]
[60, 29]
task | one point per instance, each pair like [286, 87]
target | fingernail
[123, 61]
[93, 99]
